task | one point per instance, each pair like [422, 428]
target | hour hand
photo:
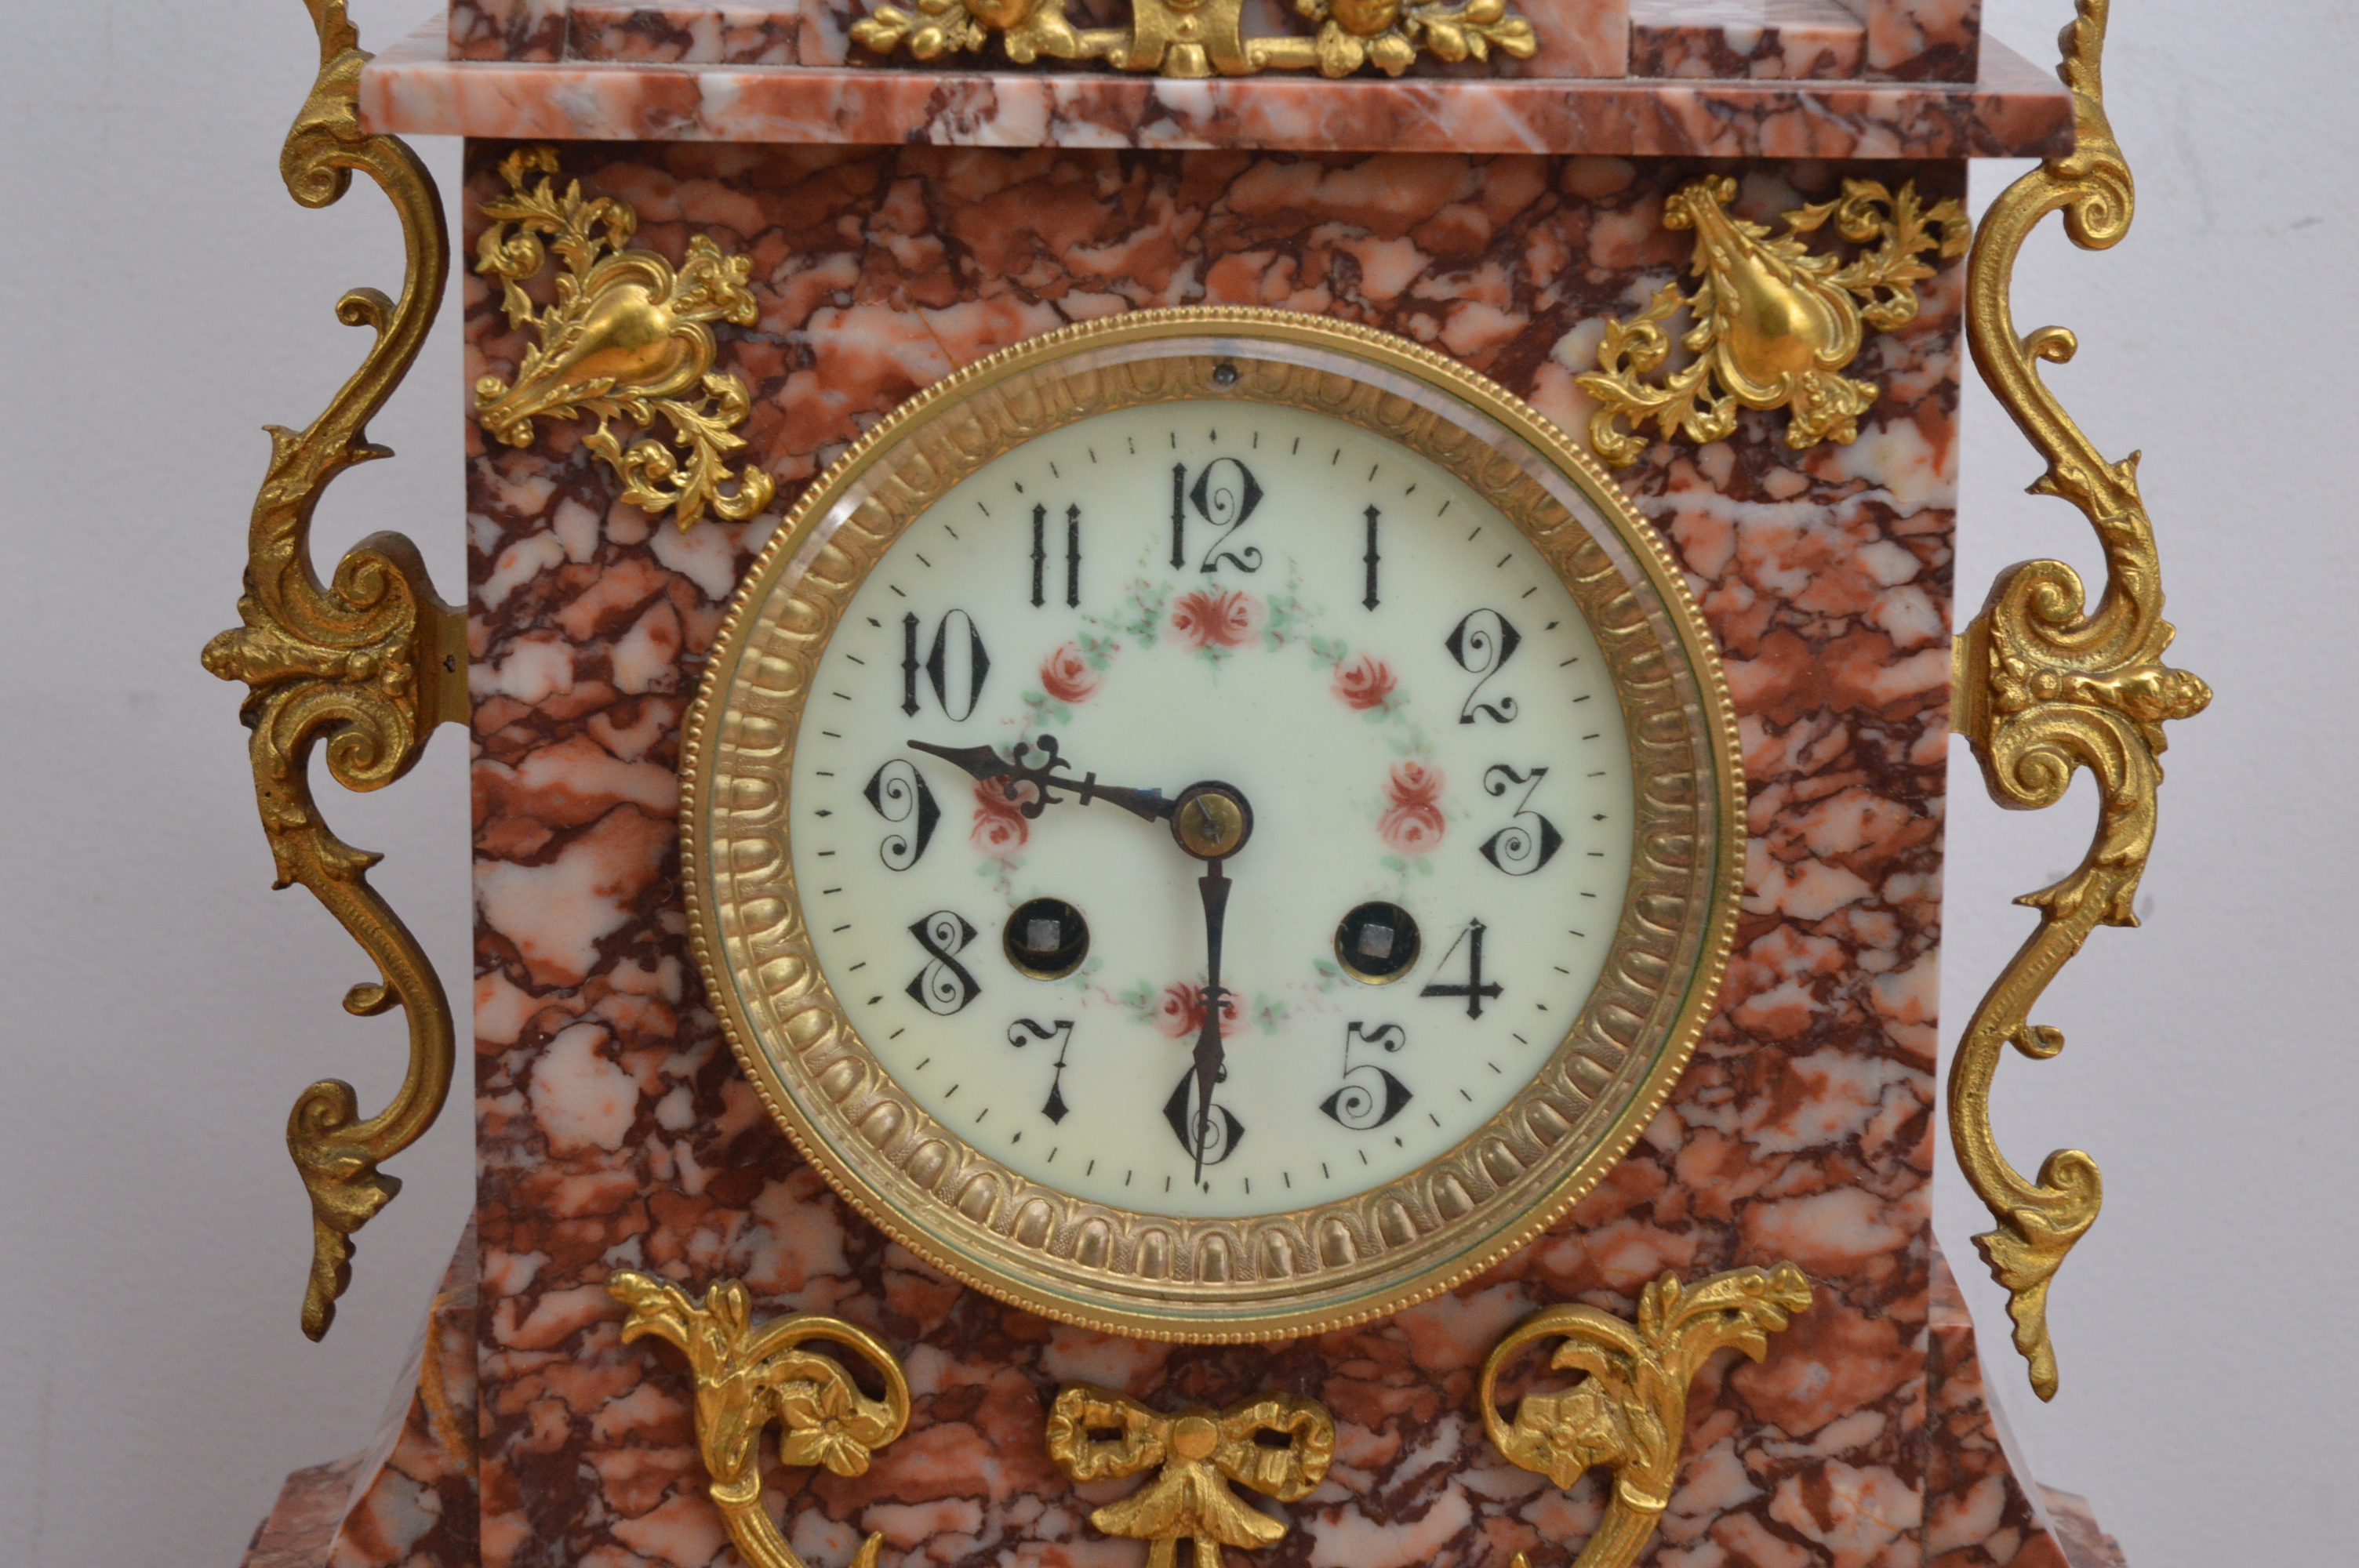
[986, 765]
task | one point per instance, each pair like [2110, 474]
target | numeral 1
[1371, 559]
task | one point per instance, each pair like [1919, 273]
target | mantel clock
[1209, 750]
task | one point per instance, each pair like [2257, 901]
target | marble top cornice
[2016, 109]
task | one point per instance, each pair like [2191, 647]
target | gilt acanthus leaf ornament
[748, 1378]
[1630, 1413]
[625, 337]
[1195, 38]
[1774, 323]
[2048, 685]
[1197, 1455]
[367, 664]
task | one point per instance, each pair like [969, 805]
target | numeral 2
[1072, 557]
[1482, 643]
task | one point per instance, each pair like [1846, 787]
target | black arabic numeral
[1529, 840]
[1225, 495]
[943, 987]
[898, 792]
[1473, 990]
[1179, 515]
[954, 666]
[1222, 1130]
[1040, 556]
[1482, 643]
[1370, 1095]
[1072, 557]
[1029, 1031]
[1371, 559]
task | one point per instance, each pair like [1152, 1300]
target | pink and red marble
[409, 1500]
[2015, 110]
[616, 1130]
[504, 30]
[1924, 40]
[1763, 39]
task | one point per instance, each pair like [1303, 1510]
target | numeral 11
[1072, 557]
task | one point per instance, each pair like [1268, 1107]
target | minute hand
[986, 765]
[1214, 887]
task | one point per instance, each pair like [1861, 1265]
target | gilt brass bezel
[1299, 1270]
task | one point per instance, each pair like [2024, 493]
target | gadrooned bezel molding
[1216, 1279]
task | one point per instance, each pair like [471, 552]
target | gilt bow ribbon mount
[1094, 1432]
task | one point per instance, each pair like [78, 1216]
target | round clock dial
[1213, 824]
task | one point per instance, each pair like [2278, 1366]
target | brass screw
[1210, 825]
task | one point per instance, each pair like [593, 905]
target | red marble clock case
[616, 1130]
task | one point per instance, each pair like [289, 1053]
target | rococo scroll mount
[1195, 38]
[627, 337]
[1776, 323]
[1630, 1413]
[2047, 683]
[747, 1377]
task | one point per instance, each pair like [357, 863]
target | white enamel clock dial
[1214, 825]
[1406, 697]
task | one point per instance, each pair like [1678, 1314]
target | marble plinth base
[411, 1501]
[409, 1498]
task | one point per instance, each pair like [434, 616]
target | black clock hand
[1214, 887]
[985, 764]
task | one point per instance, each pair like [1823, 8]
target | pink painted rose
[1413, 784]
[1000, 827]
[1414, 825]
[1228, 620]
[1363, 683]
[1180, 1013]
[1066, 676]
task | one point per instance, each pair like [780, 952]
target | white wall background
[160, 297]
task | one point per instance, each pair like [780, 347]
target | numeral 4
[1475, 990]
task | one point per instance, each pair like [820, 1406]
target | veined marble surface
[616, 1130]
[2015, 110]
[1933, 40]
[1764, 39]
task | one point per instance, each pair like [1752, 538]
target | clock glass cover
[1213, 824]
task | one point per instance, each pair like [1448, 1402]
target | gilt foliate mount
[1776, 323]
[1198, 38]
[625, 335]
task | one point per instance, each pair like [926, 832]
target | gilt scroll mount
[1197, 1455]
[367, 664]
[1775, 324]
[1630, 1413]
[2047, 683]
[1199, 38]
[748, 1378]
[627, 337]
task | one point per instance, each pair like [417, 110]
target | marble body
[1916, 40]
[2013, 109]
[616, 1130]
